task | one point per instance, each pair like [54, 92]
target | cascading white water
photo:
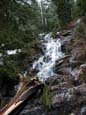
[52, 52]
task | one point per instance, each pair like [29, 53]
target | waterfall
[52, 53]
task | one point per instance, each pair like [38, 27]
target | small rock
[83, 111]
[72, 114]
[83, 68]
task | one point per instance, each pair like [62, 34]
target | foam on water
[52, 52]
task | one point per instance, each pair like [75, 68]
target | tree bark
[26, 89]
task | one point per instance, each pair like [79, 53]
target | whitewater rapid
[52, 53]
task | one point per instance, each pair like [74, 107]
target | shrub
[46, 98]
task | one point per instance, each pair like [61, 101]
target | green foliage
[81, 31]
[81, 7]
[19, 27]
[63, 11]
[52, 18]
[46, 98]
[49, 18]
[2, 103]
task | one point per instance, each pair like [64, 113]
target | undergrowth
[46, 98]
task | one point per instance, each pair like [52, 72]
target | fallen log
[26, 89]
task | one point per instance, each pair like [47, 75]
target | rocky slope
[65, 92]
[68, 87]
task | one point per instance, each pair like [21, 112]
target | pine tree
[81, 7]
[63, 11]
[19, 22]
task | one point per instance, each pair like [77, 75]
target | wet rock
[58, 100]
[75, 76]
[72, 114]
[83, 111]
[54, 80]
[37, 110]
[81, 89]
[66, 46]
[83, 68]
[60, 85]
[82, 74]
[78, 53]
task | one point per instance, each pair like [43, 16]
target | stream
[52, 53]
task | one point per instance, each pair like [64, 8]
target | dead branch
[26, 89]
